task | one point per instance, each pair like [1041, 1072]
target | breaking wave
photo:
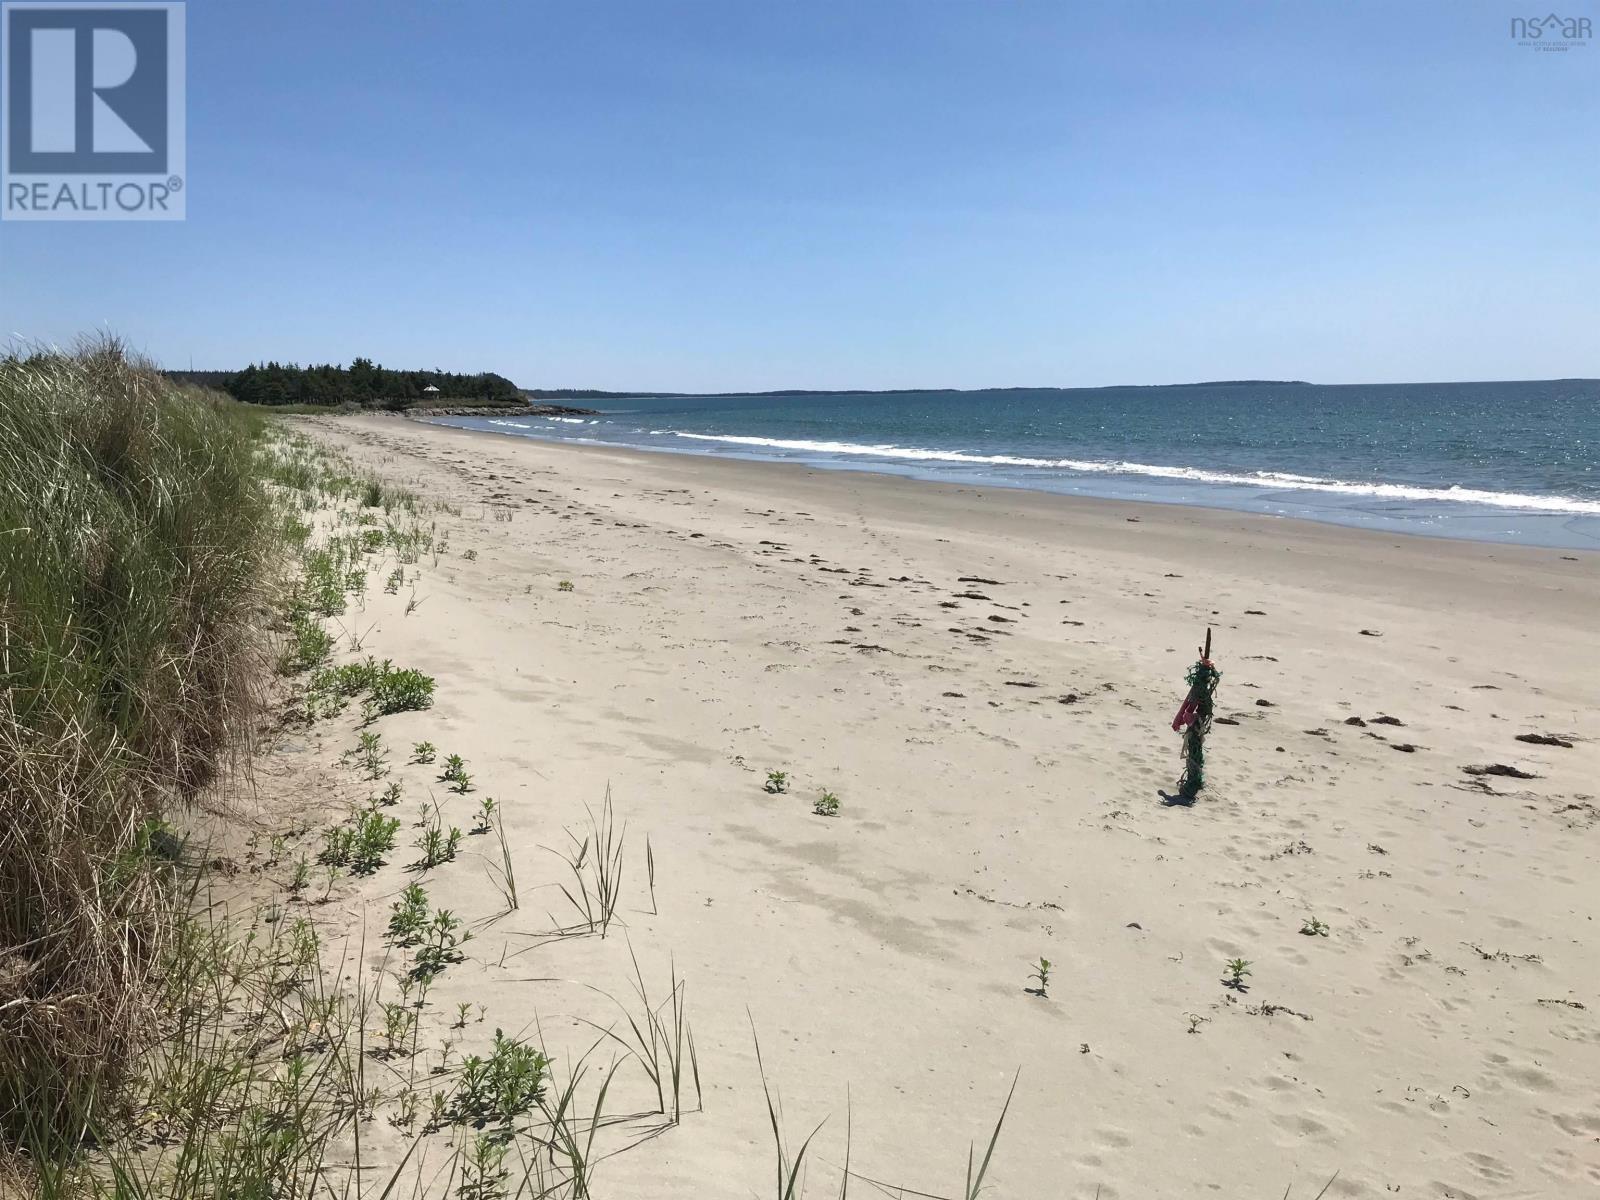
[1273, 479]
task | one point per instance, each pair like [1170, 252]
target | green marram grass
[135, 533]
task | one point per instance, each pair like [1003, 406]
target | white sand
[727, 618]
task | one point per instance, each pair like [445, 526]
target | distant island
[366, 385]
[596, 394]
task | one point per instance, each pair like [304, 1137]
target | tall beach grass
[135, 533]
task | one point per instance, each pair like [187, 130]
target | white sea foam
[1275, 479]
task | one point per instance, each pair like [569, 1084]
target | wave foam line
[1301, 483]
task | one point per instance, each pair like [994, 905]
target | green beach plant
[437, 844]
[788, 1170]
[504, 875]
[408, 916]
[399, 1026]
[596, 864]
[507, 1084]
[308, 645]
[391, 689]
[401, 690]
[650, 871]
[369, 749]
[337, 843]
[442, 939]
[483, 820]
[374, 838]
[1041, 976]
[661, 1040]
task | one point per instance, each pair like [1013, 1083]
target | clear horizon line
[1059, 387]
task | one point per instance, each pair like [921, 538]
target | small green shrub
[308, 645]
[337, 843]
[399, 1024]
[455, 774]
[408, 916]
[323, 584]
[331, 687]
[441, 945]
[402, 691]
[437, 845]
[827, 805]
[485, 816]
[777, 781]
[423, 752]
[374, 838]
[369, 748]
[392, 690]
[502, 1087]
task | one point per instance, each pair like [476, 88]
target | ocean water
[1516, 462]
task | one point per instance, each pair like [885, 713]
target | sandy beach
[985, 679]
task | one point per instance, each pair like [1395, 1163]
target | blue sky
[719, 196]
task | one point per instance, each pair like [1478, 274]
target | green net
[1202, 680]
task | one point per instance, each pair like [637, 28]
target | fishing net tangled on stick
[1194, 719]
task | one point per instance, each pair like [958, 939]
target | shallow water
[1516, 462]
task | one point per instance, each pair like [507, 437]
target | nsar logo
[1551, 32]
[94, 112]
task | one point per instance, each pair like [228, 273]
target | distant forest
[363, 382]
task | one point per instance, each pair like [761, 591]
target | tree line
[363, 383]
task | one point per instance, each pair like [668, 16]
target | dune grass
[134, 536]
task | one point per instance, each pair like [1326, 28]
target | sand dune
[985, 679]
